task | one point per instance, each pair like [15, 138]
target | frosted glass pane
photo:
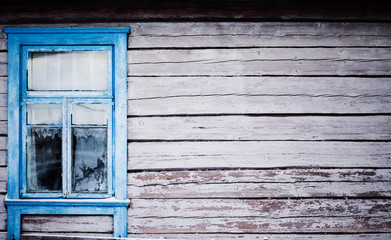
[44, 160]
[93, 114]
[76, 70]
[44, 114]
[89, 159]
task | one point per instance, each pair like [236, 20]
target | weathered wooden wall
[246, 130]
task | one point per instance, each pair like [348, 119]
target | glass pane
[44, 160]
[76, 70]
[92, 114]
[44, 114]
[89, 159]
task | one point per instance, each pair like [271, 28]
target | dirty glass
[91, 114]
[44, 160]
[89, 159]
[44, 114]
[67, 71]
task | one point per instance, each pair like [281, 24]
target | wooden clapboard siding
[382, 236]
[140, 179]
[260, 128]
[241, 128]
[249, 224]
[212, 208]
[257, 154]
[63, 224]
[250, 34]
[257, 95]
[263, 190]
[260, 61]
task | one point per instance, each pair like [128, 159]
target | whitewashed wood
[260, 61]
[2, 206]
[3, 187]
[258, 225]
[68, 235]
[263, 190]
[174, 155]
[247, 104]
[238, 95]
[3, 158]
[3, 113]
[166, 87]
[3, 100]
[3, 221]
[257, 176]
[3, 84]
[376, 236]
[59, 223]
[3, 143]
[3, 127]
[3, 64]
[3, 174]
[211, 208]
[260, 128]
[248, 34]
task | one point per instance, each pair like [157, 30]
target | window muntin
[67, 128]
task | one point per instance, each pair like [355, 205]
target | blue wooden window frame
[18, 200]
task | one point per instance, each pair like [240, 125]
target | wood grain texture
[257, 95]
[3, 221]
[177, 155]
[251, 34]
[3, 174]
[263, 190]
[259, 176]
[381, 236]
[140, 88]
[260, 61]
[258, 225]
[63, 224]
[260, 128]
[3, 158]
[212, 208]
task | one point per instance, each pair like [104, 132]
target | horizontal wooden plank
[260, 61]
[166, 87]
[3, 143]
[258, 225]
[260, 128]
[248, 104]
[251, 34]
[3, 174]
[3, 84]
[258, 176]
[2, 206]
[3, 221]
[64, 223]
[212, 208]
[254, 95]
[197, 236]
[3, 112]
[176, 155]
[3, 158]
[263, 190]
[3, 187]
[68, 236]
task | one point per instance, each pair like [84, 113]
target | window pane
[89, 159]
[92, 114]
[76, 70]
[44, 160]
[44, 114]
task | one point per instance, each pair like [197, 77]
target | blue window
[67, 124]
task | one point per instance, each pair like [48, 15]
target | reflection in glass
[44, 160]
[92, 114]
[44, 114]
[89, 159]
[74, 70]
